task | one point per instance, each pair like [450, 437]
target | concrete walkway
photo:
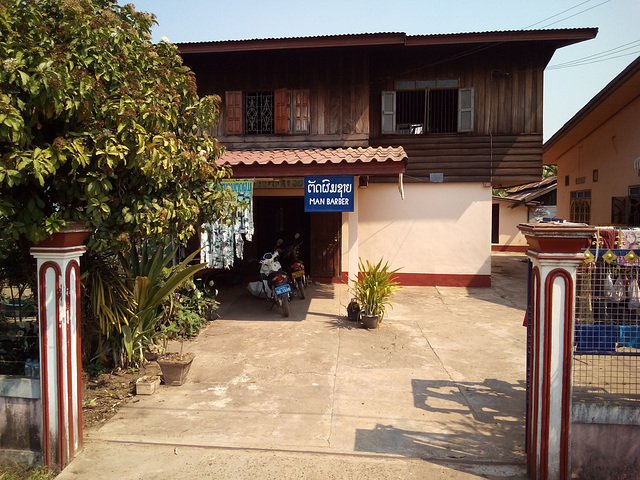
[437, 392]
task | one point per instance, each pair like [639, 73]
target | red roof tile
[318, 156]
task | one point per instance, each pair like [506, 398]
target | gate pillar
[554, 249]
[60, 357]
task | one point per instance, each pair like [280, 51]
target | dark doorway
[283, 217]
[279, 217]
[495, 223]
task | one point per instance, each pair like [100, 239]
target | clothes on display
[223, 240]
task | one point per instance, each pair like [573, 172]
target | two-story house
[423, 125]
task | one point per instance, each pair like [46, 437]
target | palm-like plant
[373, 286]
[150, 285]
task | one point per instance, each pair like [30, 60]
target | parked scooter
[275, 281]
[295, 267]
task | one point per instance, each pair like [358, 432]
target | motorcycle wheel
[284, 303]
[300, 284]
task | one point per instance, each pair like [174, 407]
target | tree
[100, 125]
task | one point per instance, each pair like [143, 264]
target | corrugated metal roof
[534, 185]
[562, 37]
[529, 192]
[316, 156]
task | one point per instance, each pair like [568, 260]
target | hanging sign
[333, 193]
[241, 189]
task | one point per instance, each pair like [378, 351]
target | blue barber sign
[332, 193]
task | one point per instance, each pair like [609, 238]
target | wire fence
[606, 363]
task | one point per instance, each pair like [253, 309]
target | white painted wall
[510, 218]
[439, 228]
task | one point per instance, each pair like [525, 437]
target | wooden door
[495, 223]
[325, 244]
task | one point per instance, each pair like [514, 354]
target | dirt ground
[105, 394]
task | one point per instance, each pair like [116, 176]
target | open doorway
[283, 217]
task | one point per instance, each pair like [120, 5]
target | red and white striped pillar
[60, 356]
[554, 249]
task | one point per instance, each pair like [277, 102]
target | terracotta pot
[369, 321]
[175, 367]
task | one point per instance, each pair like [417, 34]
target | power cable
[576, 14]
[556, 15]
[610, 54]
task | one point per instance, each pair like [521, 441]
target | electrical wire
[575, 14]
[556, 15]
[610, 54]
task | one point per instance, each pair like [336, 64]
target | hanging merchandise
[634, 294]
[223, 239]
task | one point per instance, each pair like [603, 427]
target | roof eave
[559, 37]
[556, 146]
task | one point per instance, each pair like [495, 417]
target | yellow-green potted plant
[372, 288]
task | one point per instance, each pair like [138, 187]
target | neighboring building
[530, 203]
[598, 156]
[424, 125]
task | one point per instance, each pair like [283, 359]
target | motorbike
[275, 281]
[295, 268]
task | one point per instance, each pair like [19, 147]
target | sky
[575, 74]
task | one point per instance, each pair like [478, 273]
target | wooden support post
[554, 249]
[60, 356]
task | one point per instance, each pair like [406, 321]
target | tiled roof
[318, 156]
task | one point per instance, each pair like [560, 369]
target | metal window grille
[443, 111]
[606, 363]
[259, 113]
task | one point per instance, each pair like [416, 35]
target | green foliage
[99, 125]
[373, 286]
[549, 171]
[187, 311]
[151, 284]
[126, 297]
[16, 471]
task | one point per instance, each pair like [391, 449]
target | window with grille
[276, 112]
[259, 113]
[410, 110]
[580, 206]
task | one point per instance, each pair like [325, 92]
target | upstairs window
[277, 112]
[259, 113]
[432, 106]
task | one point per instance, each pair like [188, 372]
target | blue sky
[567, 88]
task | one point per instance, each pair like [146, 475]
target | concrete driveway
[437, 392]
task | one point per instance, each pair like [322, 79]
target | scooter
[295, 268]
[275, 281]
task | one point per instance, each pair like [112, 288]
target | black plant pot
[369, 321]
[175, 367]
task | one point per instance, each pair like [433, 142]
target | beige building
[598, 156]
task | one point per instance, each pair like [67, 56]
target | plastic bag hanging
[634, 294]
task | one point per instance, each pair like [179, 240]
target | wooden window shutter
[280, 98]
[465, 110]
[233, 113]
[301, 111]
[388, 112]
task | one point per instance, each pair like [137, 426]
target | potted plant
[372, 288]
[188, 310]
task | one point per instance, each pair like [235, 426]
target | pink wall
[611, 149]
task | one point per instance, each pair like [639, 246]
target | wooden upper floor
[466, 107]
